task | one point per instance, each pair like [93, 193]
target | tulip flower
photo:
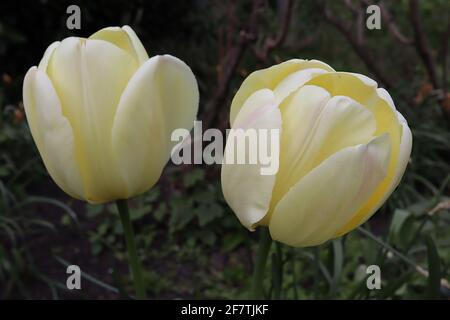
[343, 150]
[101, 114]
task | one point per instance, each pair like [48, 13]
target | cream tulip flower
[101, 113]
[343, 150]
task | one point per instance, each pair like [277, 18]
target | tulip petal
[47, 55]
[137, 45]
[405, 152]
[406, 138]
[246, 190]
[51, 132]
[295, 81]
[269, 78]
[364, 91]
[89, 77]
[330, 194]
[125, 38]
[316, 126]
[160, 97]
[404, 155]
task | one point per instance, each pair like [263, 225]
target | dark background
[191, 243]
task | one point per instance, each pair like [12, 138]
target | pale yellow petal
[125, 38]
[406, 140]
[47, 55]
[89, 77]
[405, 152]
[137, 44]
[364, 91]
[246, 190]
[316, 126]
[319, 204]
[294, 81]
[160, 97]
[51, 132]
[269, 78]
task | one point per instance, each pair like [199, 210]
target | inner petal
[316, 126]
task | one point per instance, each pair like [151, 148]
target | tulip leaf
[338, 262]
[231, 241]
[89, 277]
[434, 270]
[395, 284]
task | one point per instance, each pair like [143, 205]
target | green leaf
[394, 285]
[231, 241]
[207, 213]
[434, 270]
[398, 220]
[159, 213]
[338, 263]
[139, 212]
[192, 177]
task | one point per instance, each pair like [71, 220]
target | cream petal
[316, 126]
[52, 132]
[160, 97]
[47, 55]
[405, 152]
[89, 76]
[295, 81]
[269, 78]
[405, 143]
[246, 190]
[137, 45]
[383, 94]
[364, 91]
[319, 204]
[125, 38]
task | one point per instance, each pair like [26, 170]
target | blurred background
[191, 244]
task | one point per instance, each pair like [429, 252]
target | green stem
[277, 271]
[128, 232]
[316, 252]
[265, 242]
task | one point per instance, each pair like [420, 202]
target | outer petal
[364, 91]
[269, 78]
[405, 152]
[52, 132]
[160, 97]
[294, 81]
[314, 209]
[316, 126]
[47, 55]
[406, 140]
[125, 38]
[89, 77]
[246, 190]
[137, 44]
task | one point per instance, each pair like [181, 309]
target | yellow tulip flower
[101, 113]
[343, 150]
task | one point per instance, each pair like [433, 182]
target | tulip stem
[135, 266]
[265, 241]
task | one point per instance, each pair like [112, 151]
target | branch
[445, 55]
[392, 26]
[230, 63]
[421, 44]
[306, 41]
[278, 39]
[361, 50]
